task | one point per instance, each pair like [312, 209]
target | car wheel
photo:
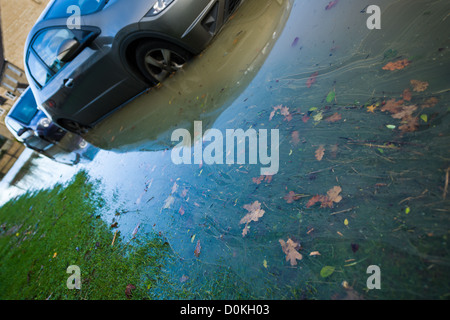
[73, 126]
[157, 60]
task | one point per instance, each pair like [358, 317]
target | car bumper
[197, 21]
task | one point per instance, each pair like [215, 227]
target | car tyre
[73, 126]
[157, 60]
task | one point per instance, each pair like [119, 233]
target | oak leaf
[429, 103]
[320, 152]
[410, 124]
[254, 213]
[419, 86]
[333, 194]
[291, 197]
[397, 65]
[392, 106]
[290, 249]
[405, 112]
[407, 95]
[295, 138]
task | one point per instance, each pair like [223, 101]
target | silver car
[86, 58]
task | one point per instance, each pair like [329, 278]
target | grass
[42, 234]
[45, 232]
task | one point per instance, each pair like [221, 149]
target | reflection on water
[206, 86]
[384, 140]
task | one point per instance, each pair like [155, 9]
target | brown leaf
[255, 212]
[295, 138]
[320, 152]
[405, 112]
[290, 249]
[334, 118]
[328, 200]
[313, 201]
[291, 197]
[198, 247]
[407, 95]
[259, 179]
[410, 124]
[419, 86]
[333, 194]
[312, 79]
[397, 65]
[392, 106]
[129, 291]
[430, 103]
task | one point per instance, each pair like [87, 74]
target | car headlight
[44, 122]
[158, 7]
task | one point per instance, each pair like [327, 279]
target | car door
[68, 89]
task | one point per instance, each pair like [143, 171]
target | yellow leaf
[371, 108]
[265, 263]
[55, 254]
[346, 222]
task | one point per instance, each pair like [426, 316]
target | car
[86, 58]
[31, 126]
[36, 131]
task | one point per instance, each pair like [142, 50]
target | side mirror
[67, 50]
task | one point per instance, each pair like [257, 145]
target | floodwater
[390, 161]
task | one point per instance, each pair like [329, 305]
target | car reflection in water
[31, 127]
[203, 89]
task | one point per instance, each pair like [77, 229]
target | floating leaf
[320, 152]
[398, 65]
[407, 96]
[290, 249]
[318, 117]
[334, 118]
[419, 86]
[291, 197]
[424, 117]
[255, 212]
[327, 271]
[371, 108]
[346, 222]
[331, 96]
[331, 4]
[391, 126]
[312, 79]
[198, 247]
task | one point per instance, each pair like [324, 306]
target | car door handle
[68, 83]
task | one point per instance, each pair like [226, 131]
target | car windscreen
[25, 109]
[61, 8]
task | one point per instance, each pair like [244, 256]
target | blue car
[31, 126]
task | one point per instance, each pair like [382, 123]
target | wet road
[326, 67]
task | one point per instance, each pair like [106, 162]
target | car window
[25, 109]
[60, 8]
[46, 46]
[37, 70]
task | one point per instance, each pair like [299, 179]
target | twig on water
[413, 198]
[447, 173]
[343, 211]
